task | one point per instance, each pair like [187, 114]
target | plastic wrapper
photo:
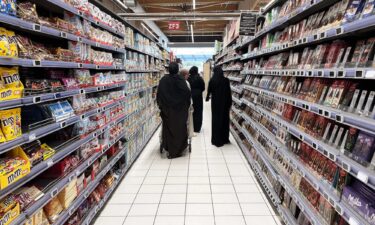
[27, 11]
[11, 123]
[53, 209]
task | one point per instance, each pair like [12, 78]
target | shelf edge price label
[362, 177]
[32, 137]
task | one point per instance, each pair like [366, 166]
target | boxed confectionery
[14, 166]
[9, 209]
[68, 194]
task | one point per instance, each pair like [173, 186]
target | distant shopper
[179, 62]
[197, 88]
[221, 102]
[185, 74]
[173, 98]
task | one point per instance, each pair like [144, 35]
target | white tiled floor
[210, 186]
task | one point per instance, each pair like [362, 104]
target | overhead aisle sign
[248, 23]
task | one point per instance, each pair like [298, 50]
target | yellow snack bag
[13, 49]
[11, 123]
[2, 138]
[10, 77]
[4, 42]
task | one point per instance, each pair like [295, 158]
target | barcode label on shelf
[346, 167]
[49, 163]
[353, 221]
[63, 34]
[37, 27]
[37, 63]
[32, 137]
[54, 193]
[362, 177]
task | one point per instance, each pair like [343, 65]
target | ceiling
[204, 31]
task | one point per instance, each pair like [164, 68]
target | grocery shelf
[361, 122]
[263, 180]
[94, 211]
[70, 8]
[46, 97]
[229, 60]
[359, 171]
[232, 69]
[336, 32]
[60, 154]
[235, 89]
[142, 71]
[237, 101]
[141, 51]
[236, 111]
[303, 204]
[337, 73]
[50, 128]
[293, 17]
[5, 61]
[237, 79]
[286, 216]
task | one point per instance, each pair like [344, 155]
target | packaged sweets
[353, 11]
[4, 43]
[369, 8]
[364, 147]
[8, 7]
[13, 49]
[53, 209]
[10, 77]
[11, 123]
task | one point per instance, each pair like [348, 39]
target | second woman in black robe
[197, 88]
[173, 98]
[219, 88]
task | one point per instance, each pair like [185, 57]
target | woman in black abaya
[221, 102]
[173, 98]
[197, 88]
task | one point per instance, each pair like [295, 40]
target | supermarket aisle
[209, 186]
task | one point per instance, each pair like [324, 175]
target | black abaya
[197, 87]
[221, 102]
[173, 98]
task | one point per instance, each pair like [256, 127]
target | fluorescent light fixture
[152, 33]
[121, 4]
[192, 33]
[194, 4]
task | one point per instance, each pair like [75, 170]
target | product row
[338, 54]
[347, 95]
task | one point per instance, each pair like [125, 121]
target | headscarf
[173, 90]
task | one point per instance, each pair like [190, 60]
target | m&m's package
[11, 123]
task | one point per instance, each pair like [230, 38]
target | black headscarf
[173, 91]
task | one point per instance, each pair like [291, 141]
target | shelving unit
[311, 177]
[84, 120]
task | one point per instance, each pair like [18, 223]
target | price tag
[79, 65]
[54, 193]
[339, 30]
[62, 124]
[32, 137]
[37, 27]
[49, 163]
[37, 63]
[63, 34]
[362, 177]
[353, 221]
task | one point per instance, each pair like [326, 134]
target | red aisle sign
[173, 25]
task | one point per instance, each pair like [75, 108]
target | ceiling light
[194, 4]
[152, 33]
[121, 4]
[192, 33]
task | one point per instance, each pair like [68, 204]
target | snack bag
[4, 43]
[11, 7]
[10, 77]
[11, 123]
[13, 49]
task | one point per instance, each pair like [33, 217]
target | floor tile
[157, 173]
[143, 210]
[199, 220]
[169, 220]
[116, 210]
[178, 173]
[173, 198]
[137, 220]
[241, 180]
[199, 188]
[198, 180]
[246, 188]
[132, 180]
[235, 220]
[154, 180]
[128, 188]
[175, 189]
[122, 198]
[137, 173]
[176, 180]
[227, 210]
[199, 198]
[264, 220]
[147, 198]
[220, 180]
[171, 210]
[224, 198]
[151, 189]
[198, 173]
[199, 209]
[222, 188]
[110, 220]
